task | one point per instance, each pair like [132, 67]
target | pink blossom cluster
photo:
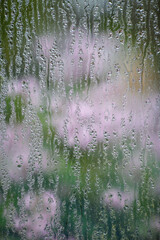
[108, 109]
[17, 148]
[46, 43]
[82, 56]
[155, 223]
[86, 117]
[118, 199]
[27, 88]
[40, 211]
[86, 56]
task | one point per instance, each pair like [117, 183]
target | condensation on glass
[79, 119]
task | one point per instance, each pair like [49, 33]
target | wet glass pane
[79, 119]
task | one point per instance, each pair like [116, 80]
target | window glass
[79, 119]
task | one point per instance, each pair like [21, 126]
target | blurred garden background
[79, 119]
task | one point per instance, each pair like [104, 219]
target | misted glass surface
[79, 119]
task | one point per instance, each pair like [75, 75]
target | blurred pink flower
[107, 108]
[46, 44]
[17, 149]
[40, 212]
[118, 199]
[28, 88]
[86, 117]
[155, 223]
[82, 55]
[133, 167]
